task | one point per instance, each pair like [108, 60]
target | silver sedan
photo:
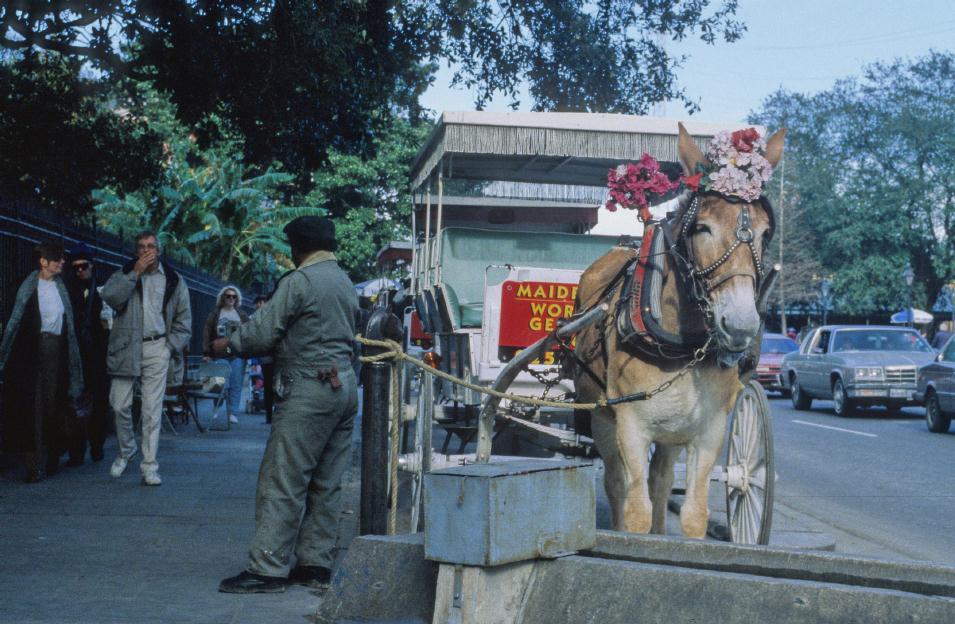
[856, 365]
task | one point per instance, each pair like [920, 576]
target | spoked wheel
[424, 414]
[750, 468]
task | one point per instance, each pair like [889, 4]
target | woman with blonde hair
[226, 316]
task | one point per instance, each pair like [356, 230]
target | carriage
[505, 206]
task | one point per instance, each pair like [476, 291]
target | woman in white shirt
[226, 316]
[41, 366]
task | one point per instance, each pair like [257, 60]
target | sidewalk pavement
[82, 547]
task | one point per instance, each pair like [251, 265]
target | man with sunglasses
[93, 406]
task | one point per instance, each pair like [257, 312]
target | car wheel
[842, 405]
[936, 420]
[801, 401]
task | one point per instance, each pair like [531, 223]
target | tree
[208, 206]
[301, 78]
[59, 139]
[877, 162]
[368, 198]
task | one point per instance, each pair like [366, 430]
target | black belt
[151, 338]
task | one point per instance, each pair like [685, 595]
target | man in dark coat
[40, 364]
[93, 339]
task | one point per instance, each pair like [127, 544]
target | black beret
[311, 232]
[80, 251]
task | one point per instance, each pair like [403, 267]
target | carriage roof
[547, 148]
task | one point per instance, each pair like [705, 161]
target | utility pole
[782, 238]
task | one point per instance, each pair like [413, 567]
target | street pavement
[879, 483]
[81, 547]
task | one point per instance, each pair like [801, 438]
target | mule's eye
[701, 228]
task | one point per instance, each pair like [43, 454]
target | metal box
[491, 514]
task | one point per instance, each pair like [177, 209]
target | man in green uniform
[308, 326]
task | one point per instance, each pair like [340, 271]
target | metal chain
[698, 356]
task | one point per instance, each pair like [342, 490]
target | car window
[949, 354]
[778, 345]
[807, 341]
[879, 340]
[822, 345]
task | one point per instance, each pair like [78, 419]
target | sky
[798, 45]
[803, 46]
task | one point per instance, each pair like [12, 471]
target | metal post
[374, 448]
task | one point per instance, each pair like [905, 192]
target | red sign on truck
[530, 310]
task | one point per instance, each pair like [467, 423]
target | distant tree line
[870, 185]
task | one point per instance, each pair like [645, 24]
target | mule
[692, 413]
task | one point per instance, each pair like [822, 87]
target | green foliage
[302, 79]
[367, 198]
[208, 206]
[876, 175]
[59, 139]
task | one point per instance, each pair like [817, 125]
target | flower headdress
[633, 185]
[738, 165]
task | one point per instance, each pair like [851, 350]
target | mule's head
[725, 243]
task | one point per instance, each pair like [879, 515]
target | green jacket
[124, 293]
[309, 323]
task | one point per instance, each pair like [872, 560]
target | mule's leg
[603, 426]
[633, 444]
[701, 456]
[661, 484]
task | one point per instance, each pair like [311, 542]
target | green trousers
[298, 498]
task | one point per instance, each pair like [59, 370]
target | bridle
[702, 281]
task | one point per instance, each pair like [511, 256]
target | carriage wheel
[750, 468]
[424, 414]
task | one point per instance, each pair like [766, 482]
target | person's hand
[145, 261]
[220, 347]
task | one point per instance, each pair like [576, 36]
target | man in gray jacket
[153, 323]
[308, 326]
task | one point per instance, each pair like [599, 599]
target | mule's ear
[690, 154]
[774, 147]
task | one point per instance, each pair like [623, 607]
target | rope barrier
[395, 352]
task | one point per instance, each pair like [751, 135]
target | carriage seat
[461, 314]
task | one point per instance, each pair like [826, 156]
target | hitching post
[376, 383]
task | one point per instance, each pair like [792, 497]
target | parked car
[936, 389]
[774, 347]
[856, 365]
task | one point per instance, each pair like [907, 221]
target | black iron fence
[24, 225]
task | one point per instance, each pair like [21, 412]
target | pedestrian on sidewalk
[93, 337]
[268, 369]
[223, 319]
[152, 325]
[309, 326]
[41, 367]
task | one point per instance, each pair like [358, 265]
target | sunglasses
[231, 297]
[82, 266]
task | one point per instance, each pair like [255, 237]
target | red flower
[743, 139]
[693, 182]
[630, 184]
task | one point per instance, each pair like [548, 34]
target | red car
[775, 346]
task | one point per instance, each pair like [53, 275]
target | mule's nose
[738, 330]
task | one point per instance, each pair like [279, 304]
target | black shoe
[249, 583]
[52, 466]
[32, 476]
[310, 576]
[96, 454]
